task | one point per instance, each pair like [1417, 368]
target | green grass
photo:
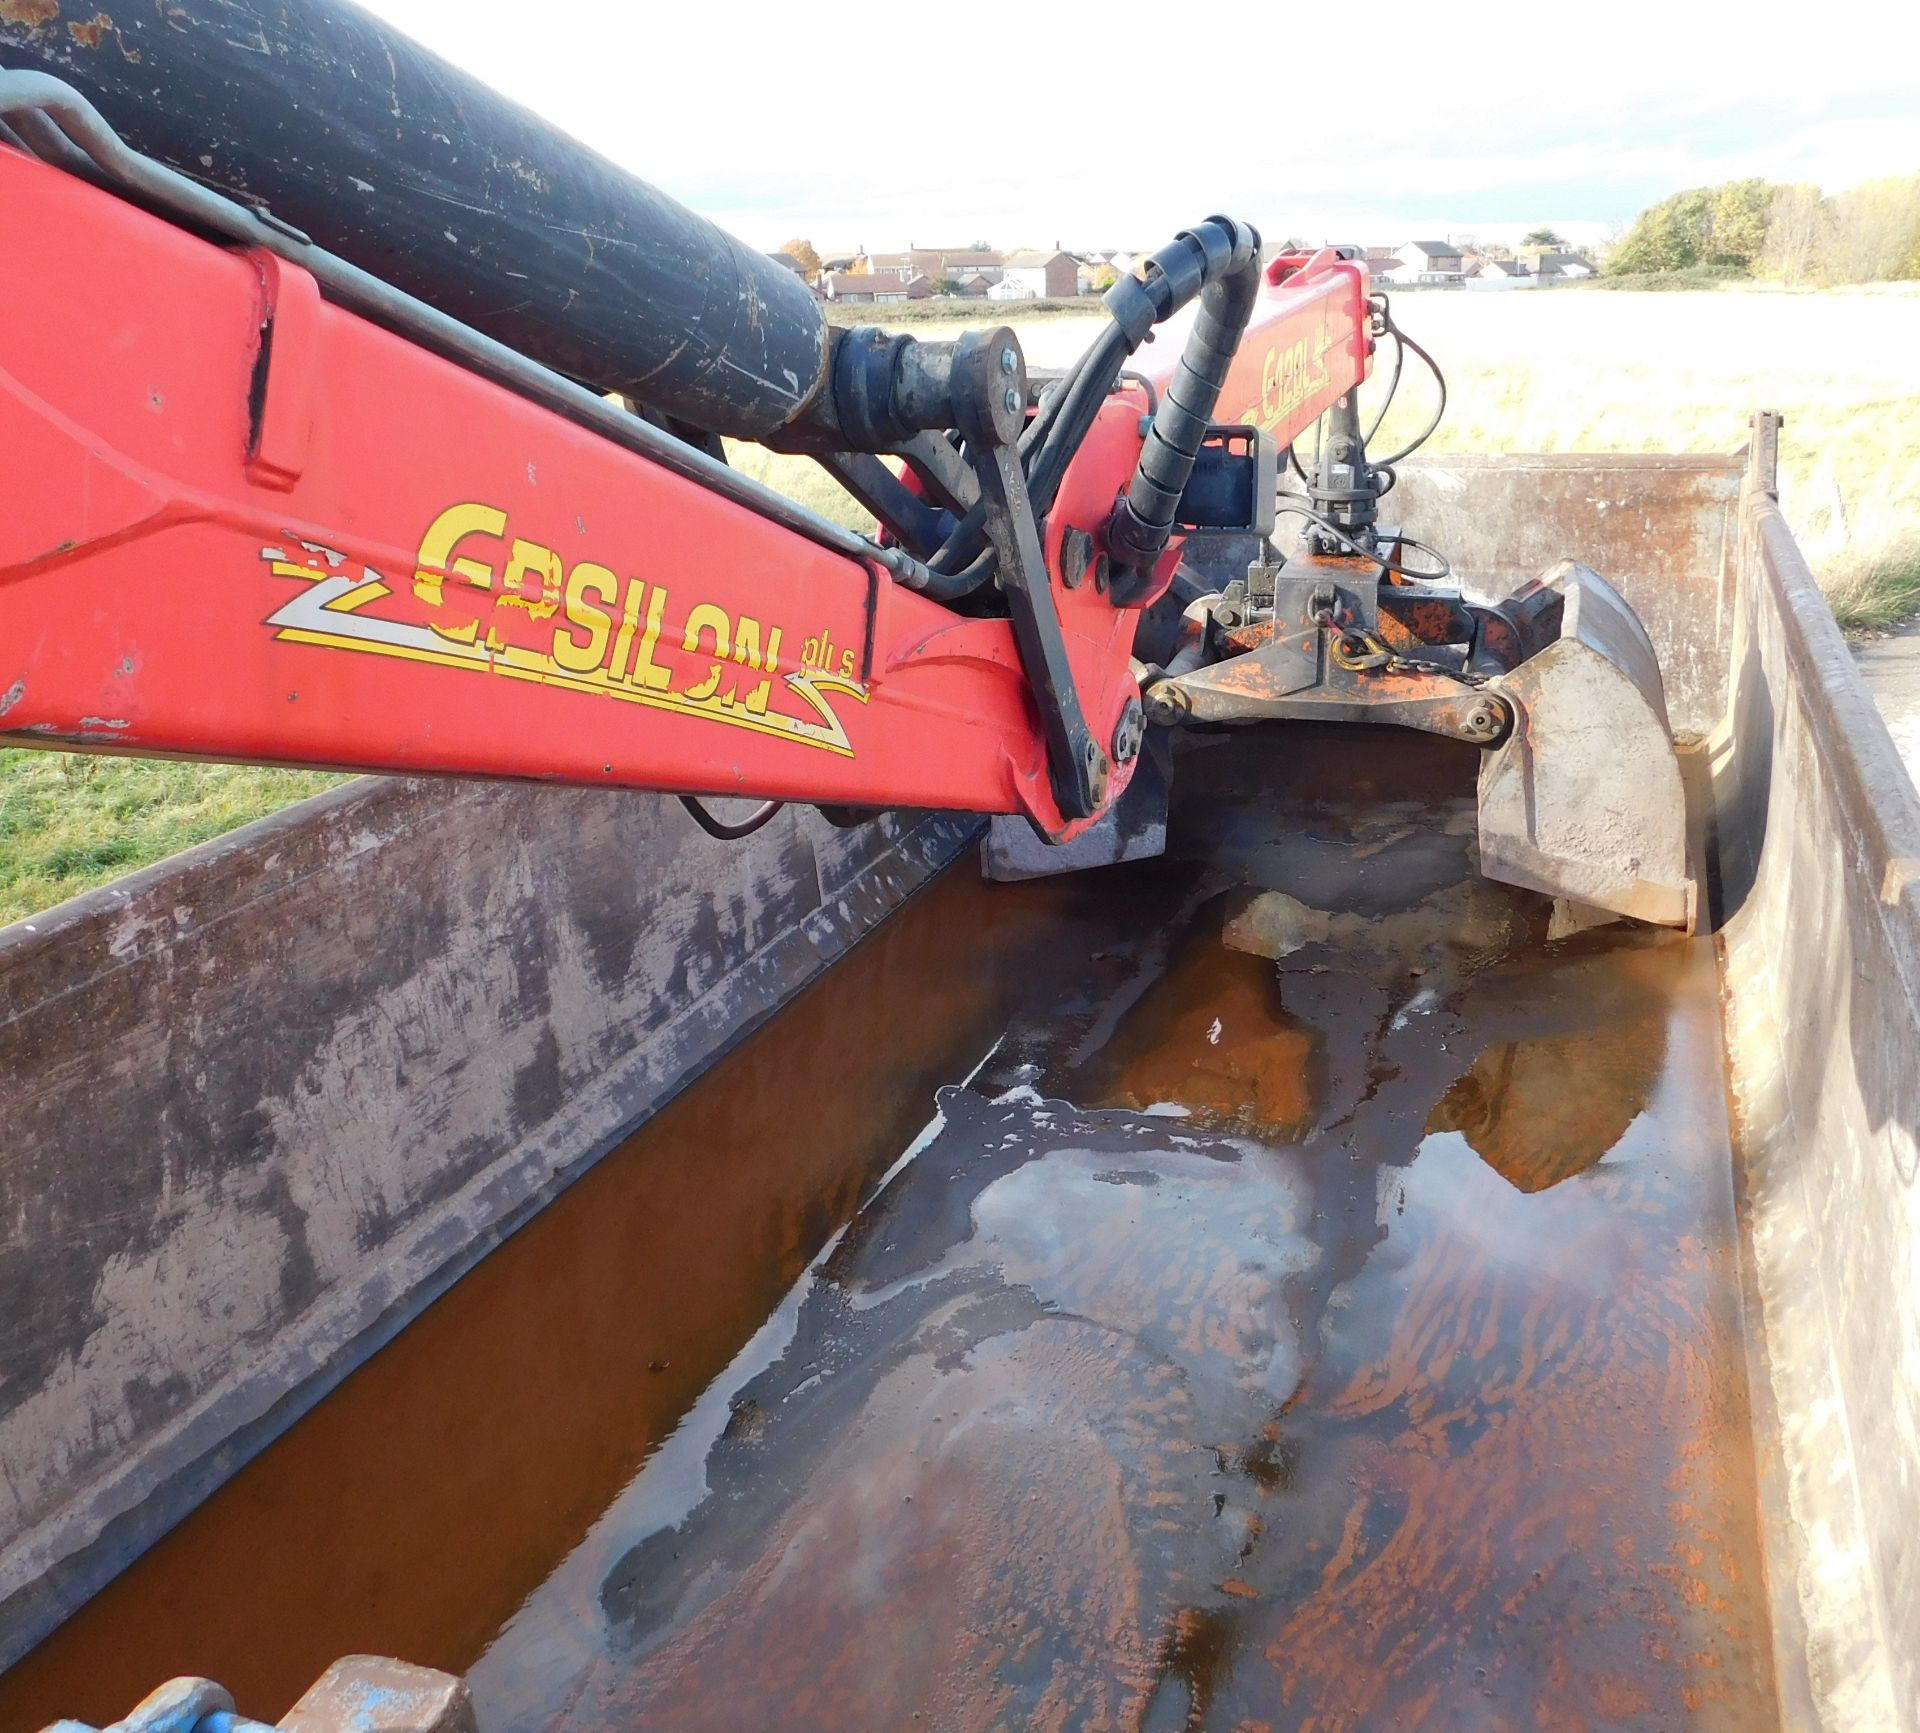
[1680, 371]
[1665, 282]
[959, 312]
[802, 480]
[68, 823]
[1873, 591]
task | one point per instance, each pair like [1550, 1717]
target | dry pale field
[1597, 370]
[1590, 370]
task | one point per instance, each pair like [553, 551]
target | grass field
[1626, 371]
[69, 822]
[1632, 371]
[1561, 371]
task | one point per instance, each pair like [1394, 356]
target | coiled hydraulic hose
[1225, 256]
[1204, 261]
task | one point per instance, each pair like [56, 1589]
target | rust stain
[415, 1508]
[32, 13]
[1220, 1045]
[90, 33]
[1391, 1395]
[1395, 1383]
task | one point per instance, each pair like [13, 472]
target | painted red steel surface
[349, 552]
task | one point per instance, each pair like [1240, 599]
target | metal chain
[1382, 658]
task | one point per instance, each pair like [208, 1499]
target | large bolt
[1166, 703]
[1128, 732]
[1099, 769]
[1011, 399]
[1486, 721]
[1008, 362]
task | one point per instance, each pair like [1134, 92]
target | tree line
[1792, 234]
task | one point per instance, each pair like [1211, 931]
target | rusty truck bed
[1161, 1299]
[1281, 1286]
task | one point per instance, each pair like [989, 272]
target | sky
[883, 125]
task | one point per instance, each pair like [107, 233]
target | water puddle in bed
[1296, 1296]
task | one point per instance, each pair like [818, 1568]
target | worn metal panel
[1819, 859]
[1659, 529]
[264, 1101]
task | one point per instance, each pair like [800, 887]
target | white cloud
[916, 123]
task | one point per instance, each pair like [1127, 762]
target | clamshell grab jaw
[1580, 792]
[1584, 799]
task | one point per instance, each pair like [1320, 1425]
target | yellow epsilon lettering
[705, 618]
[569, 650]
[436, 561]
[629, 618]
[436, 557]
[768, 663]
[645, 669]
[541, 599]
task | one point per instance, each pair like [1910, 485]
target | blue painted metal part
[357, 1694]
[184, 1705]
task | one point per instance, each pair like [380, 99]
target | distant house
[792, 264]
[1500, 274]
[1428, 262]
[979, 285]
[933, 263]
[876, 287]
[958, 263]
[844, 286]
[1029, 276]
[1563, 267]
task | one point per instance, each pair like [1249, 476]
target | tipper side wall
[264, 1101]
[1820, 859]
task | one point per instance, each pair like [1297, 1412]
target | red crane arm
[245, 524]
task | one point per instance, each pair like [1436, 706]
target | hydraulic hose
[1226, 256]
[1198, 261]
[402, 165]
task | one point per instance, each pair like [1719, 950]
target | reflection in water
[1386, 1373]
[1547, 1105]
[1215, 1039]
[1339, 1330]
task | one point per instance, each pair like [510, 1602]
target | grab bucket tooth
[1584, 799]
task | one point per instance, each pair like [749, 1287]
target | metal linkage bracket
[1323, 639]
[990, 396]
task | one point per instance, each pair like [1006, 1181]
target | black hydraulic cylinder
[386, 155]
